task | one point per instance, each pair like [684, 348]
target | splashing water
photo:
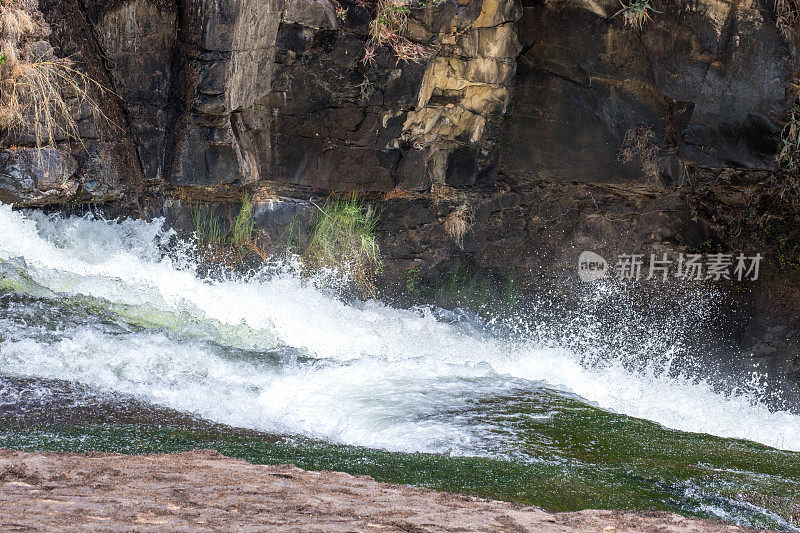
[373, 374]
[100, 304]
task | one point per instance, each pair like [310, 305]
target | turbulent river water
[111, 340]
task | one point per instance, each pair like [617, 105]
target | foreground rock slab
[204, 490]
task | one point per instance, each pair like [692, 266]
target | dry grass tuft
[15, 23]
[33, 99]
[389, 28]
[458, 223]
[40, 94]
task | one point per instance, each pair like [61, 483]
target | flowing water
[111, 340]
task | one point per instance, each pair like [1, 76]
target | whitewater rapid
[274, 353]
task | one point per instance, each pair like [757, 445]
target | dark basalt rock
[37, 177]
[461, 168]
[138, 40]
[241, 91]
[710, 81]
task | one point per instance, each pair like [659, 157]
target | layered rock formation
[241, 92]
[238, 92]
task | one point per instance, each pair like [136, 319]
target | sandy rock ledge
[204, 490]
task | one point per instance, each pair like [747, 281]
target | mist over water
[100, 303]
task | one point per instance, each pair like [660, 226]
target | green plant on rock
[208, 228]
[243, 225]
[486, 293]
[344, 238]
[227, 244]
[788, 257]
[636, 13]
[412, 281]
[784, 236]
[294, 235]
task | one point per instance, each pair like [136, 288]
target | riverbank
[205, 490]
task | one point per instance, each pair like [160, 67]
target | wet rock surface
[203, 490]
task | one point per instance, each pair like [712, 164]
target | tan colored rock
[494, 12]
[473, 75]
[498, 42]
[202, 491]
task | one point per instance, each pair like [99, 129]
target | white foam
[384, 377]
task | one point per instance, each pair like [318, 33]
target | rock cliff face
[549, 125]
[253, 91]
[707, 79]
[244, 91]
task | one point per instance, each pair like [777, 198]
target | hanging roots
[458, 223]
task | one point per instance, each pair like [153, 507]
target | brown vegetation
[40, 94]
[458, 223]
[786, 17]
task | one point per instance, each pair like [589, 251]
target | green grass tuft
[243, 225]
[344, 237]
[208, 228]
